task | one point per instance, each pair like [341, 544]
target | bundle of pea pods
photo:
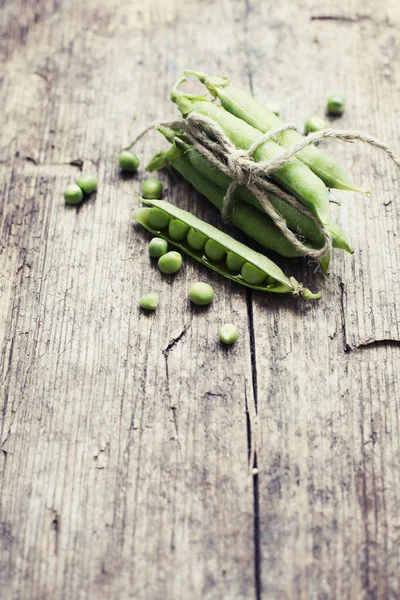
[307, 177]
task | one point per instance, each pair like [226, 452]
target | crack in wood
[166, 352]
[346, 347]
[76, 162]
[249, 300]
[257, 531]
[174, 341]
[377, 344]
[342, 18]
[252, 455]
[252, 451]
[55, 526]
[248, 428]
[32, 160]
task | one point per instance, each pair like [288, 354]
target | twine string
[209, 139]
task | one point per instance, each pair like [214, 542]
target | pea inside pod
[234, 262]
[159, 219]
[196, 239]
[214, 250]
[256, 270]
[252, 274]
[178, 230]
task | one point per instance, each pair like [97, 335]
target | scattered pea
[177, 230]
[252, 274]
[314, 123]
[214, 250]
[128, 161]
[228, 333]
[273, 108]
[336, 103]
[73, 194]
[149, 301]
[158, 218]
[157, 247]
[196, 239]
[234, 262]
[170, 262]
[87, 182]
[201, 293]
[152, 188]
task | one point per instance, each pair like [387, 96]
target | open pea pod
[216, 249]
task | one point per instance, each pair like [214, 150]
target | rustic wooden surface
[129, 440]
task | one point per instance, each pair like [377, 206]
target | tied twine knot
[208, 138]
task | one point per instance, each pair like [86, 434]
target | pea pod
[256, 225]
[257, 271]
[294, 176]
[296, 221]
[245, 107]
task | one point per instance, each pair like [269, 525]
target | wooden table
[140, 459]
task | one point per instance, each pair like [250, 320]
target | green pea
[201, 293]
[73, 194]
[314, 123]
[228, 333]
[170, 262]
[157, 247]
[158, 218]
[252, 274]
[152, 188]
[196, 239]
[149, 301]
[335, 105]
[234, 262]
[87, 182]
[214, 250]
[128, 161]
[274, 108]
[177, 230]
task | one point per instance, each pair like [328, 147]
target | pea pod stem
[154, 125]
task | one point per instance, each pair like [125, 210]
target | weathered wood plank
[328, 375]
[124, 436]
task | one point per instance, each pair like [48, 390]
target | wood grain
[128, 441]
